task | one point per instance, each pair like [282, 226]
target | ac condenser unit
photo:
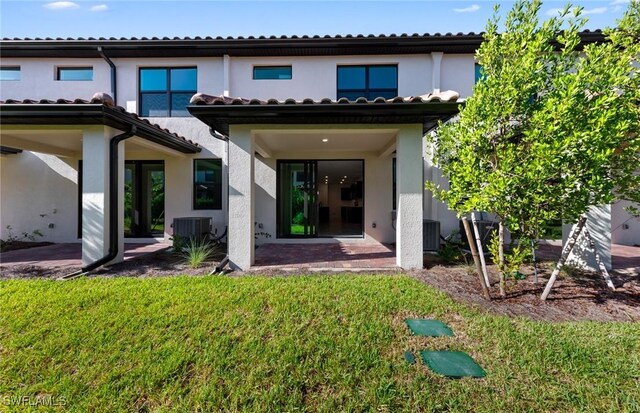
[196, 228]
[485, 229]
[430, 235]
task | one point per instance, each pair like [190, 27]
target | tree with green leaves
[552, 128]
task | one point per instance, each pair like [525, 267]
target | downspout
[114, 84]
[113, 205]
[223, 263]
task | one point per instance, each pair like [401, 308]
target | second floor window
[9, 72]
[167, 91]
[74, 73]
[367, 81]
[272, 72]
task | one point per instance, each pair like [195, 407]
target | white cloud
[619, 2]
[471, 9]
[595, 10]
[61, 5]
[554, 12]
[99, 7]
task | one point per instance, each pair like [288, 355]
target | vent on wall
[430, 235]
[196, 228]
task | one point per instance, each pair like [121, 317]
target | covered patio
[96, 133]
[261, 133]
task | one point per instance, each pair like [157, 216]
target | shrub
[197, 252]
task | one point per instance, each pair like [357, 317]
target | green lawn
[313, 343]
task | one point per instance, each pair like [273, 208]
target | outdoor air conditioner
[430, 235]
[192, 227]
[485, 229]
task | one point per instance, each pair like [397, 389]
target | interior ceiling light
[325, 140]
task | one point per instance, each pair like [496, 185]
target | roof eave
[219, 117]
[90, 114]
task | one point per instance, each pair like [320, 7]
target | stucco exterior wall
[38, 190]
[37, 79]
[316, 76]
[457, 73]
[625, 229]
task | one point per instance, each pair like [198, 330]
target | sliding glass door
[297, 199]
[144, 198]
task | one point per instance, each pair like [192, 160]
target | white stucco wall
[625, 229]
[37, 79]
[316, 76]
[458, 73]
[34, 184]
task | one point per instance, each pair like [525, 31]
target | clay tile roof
[106, 101]
[204, 99]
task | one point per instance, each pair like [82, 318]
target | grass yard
[312, 343]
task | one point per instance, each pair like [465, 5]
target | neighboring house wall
[625, 229]
[34, 185]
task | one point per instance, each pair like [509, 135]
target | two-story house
[305, 138]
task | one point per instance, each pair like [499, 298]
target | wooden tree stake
[603, 269]
[573, 237]
[480, 250]
[476, 259]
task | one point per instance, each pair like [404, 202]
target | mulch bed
[578, 296]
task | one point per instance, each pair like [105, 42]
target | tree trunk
[480, 250]
[476, 259]
[573, 237]
[501, 258]
[535, 261]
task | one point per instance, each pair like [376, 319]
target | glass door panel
[144, 198]
[297, 199]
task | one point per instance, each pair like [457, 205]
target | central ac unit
[197, 228]
[485, 230]
[430, 235]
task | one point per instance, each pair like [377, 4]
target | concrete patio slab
[326, 256]
[624, 258]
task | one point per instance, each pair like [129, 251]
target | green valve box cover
[431, 328]
[454, 364]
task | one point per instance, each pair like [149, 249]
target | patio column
[241, 198]
[599, 227]
[95, 194]
[410, 187]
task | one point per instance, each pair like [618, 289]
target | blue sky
[121, 18]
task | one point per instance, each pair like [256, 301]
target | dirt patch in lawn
[577, 295]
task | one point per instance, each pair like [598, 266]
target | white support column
[410, 183]
[95, 194]
[436, 58]
[226, 72]
[241, 198]
[599, 226]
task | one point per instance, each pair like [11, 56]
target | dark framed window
[166, 91]
[272, 72]
[207, 184]
[74, 73]
[9, 72]
[370, 82]
[478, 72]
